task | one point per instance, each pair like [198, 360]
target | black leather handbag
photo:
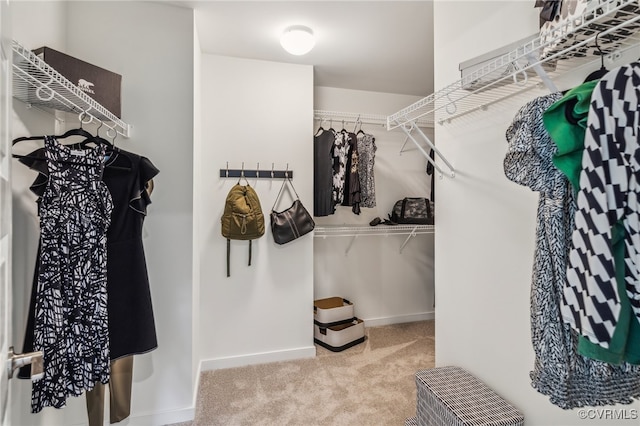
[291, 223]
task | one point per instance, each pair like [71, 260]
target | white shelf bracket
[353, 238]
[406, 139]
[406, 241]
[451, 172]
[542, 73]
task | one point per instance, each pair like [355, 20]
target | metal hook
[43, 86]
[82, 115]
[42, 98]
[452, 104]
[99, 127]
[258, 170]
[286, 172]
[272, 172]
[227, 169]
[599, 51]
[522, 82]
[242, 171]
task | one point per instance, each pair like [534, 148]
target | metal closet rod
[256, 173]
[352, 117]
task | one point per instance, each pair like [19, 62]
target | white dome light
[297, 40]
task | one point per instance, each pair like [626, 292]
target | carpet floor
[370, 384]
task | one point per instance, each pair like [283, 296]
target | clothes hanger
[320, 128]
[355, 126]
[599, 73]
[80, 131]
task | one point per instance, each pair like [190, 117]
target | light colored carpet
[372, 383]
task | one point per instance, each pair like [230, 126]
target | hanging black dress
[70, 322]
[323, 142]
[131, 320]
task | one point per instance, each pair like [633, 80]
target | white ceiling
[382, 46]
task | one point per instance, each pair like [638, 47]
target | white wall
[262, 312]
[486, 223]
[198, 212]
[386, 286]
[151, 46]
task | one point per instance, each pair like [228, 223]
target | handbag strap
[284, 182]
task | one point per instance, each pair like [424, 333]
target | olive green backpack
[242, 218]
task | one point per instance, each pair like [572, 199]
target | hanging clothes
[120, 384]
[566, 122]
[340, 155]
[323, 141]
[366, 161]
[71, 323]
[569, 379]
[430, 172]
[352, 177]
[129, 306]
[131, 320]
[609, 192]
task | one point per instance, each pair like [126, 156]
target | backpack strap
[228, 256]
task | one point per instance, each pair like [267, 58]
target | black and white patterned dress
[366, 161]
[568, 378]
[609, 191]
[341, 148]
[71, 326]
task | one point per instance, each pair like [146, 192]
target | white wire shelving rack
[615, 23]
[357, 231]
[349, 118]
[38, 84]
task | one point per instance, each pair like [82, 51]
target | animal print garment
[341, 148]
[569, 379]
[366, 161]
[71, 299]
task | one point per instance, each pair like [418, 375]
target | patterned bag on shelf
[416, 211]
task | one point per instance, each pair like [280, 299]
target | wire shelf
[37, 83]
[356, 230]
[374, 119]
[616, 23]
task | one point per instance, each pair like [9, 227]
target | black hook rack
[256, 173]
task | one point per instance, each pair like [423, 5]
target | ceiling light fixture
[297, 40]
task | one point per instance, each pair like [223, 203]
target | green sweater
[566, 122]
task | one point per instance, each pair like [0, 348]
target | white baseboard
[377, 322]
[257, 358]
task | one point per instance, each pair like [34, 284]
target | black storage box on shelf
[98, 83]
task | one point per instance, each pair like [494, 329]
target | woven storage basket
[450, 396]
